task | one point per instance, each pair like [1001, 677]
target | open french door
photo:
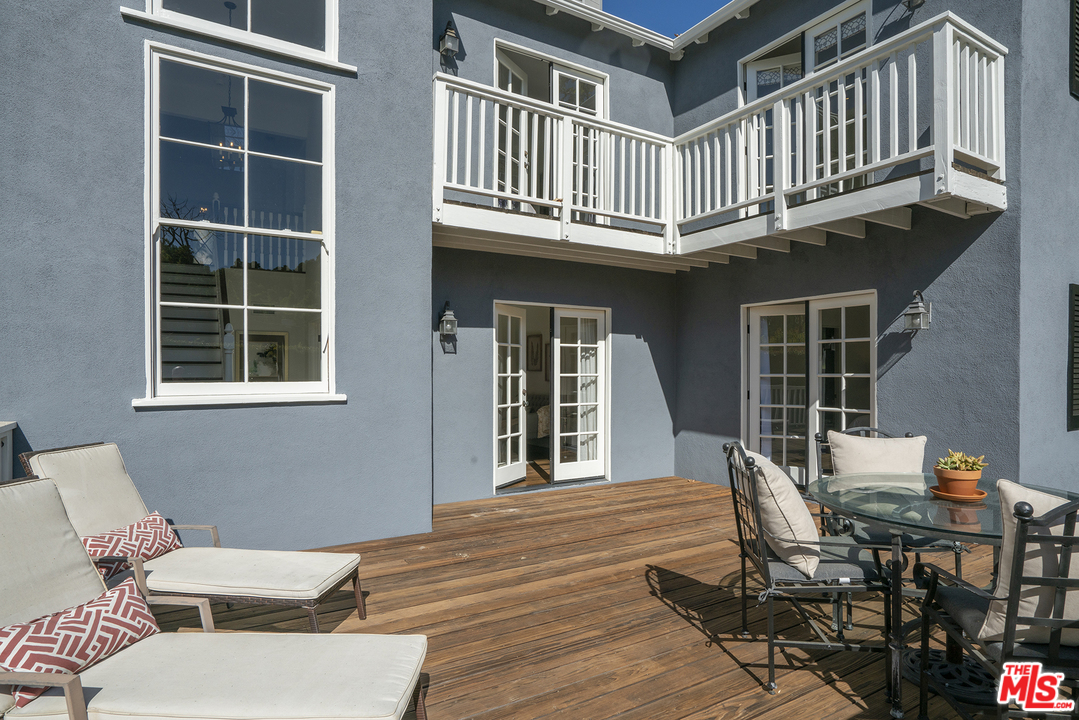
[510, 394]
[578, 392]
[513, 164]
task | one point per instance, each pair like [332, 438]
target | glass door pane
[778, 391]
[844, 368]
[579, 401]
[510, 393]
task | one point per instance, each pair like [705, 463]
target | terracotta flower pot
[957, 482]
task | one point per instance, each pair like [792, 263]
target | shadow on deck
[595, 602]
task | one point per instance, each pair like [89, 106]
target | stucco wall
[957, 382]
[1050, 255]
[643, 365]
[72, 246]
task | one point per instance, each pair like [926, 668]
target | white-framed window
[818, 44]
[241, 240]
[305, 29]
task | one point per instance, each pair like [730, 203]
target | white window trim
[156, 15]
[585, 73]
[851, 8]
[162, 394]
[836, 299]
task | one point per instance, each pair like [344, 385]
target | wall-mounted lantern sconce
[449, 43]
[913, 5]
[918, 314]
[447, 326]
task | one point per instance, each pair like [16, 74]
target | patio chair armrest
[937, 573]
[136, 565]
[212, 529]
[203, 604]
[72, 685]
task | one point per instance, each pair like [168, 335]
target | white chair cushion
[254, 573]
[95, 486]
[7, 700]
[1039, 562]
[45, 567]
[784, 515]
[249, 675]
[852, 454]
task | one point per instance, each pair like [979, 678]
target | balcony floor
[592, 602]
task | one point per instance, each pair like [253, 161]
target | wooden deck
[592, 602]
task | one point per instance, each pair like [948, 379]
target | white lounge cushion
[852, 454]
[784, 515]
[7, 700]
[95, 486]
[249, 675]
[1039, 562]
[254, 573]
[45, 567]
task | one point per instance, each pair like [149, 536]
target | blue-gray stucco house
[231, 232]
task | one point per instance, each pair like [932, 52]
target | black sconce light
[447, 326]
[449, 43]
[913, 5]
[918, 314]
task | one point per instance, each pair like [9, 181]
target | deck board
[611, 601]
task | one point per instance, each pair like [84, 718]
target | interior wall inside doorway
[539, 323]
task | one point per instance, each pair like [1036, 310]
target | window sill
[194, 401]
[237, 37]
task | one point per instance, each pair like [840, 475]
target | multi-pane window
[838, 39]
[300, 22]
[239, 199]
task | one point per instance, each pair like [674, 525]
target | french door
[510, 394]
[578, 392]
[513, 164]
[811, 368]
[583, 95]
[778, 390]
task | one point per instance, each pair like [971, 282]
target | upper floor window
[241, 200]
[296, 26]
[817, 45]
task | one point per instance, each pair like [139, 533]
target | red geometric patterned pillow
[72, 640]
[146, 539]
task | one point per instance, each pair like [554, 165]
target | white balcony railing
[532, 156]
[924, 99]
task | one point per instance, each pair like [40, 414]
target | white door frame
[513, 471]
[816, 302]
[607, 377]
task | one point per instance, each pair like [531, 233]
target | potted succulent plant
[958, 473]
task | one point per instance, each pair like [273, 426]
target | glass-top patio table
[901, 503]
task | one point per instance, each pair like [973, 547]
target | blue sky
[668, 17]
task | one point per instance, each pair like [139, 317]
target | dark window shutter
[1073, 66]
[1073, 357]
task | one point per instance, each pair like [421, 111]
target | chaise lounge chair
[100, 497]
[261, 676]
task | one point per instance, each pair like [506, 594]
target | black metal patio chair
[845, 566]
[1038, 618]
